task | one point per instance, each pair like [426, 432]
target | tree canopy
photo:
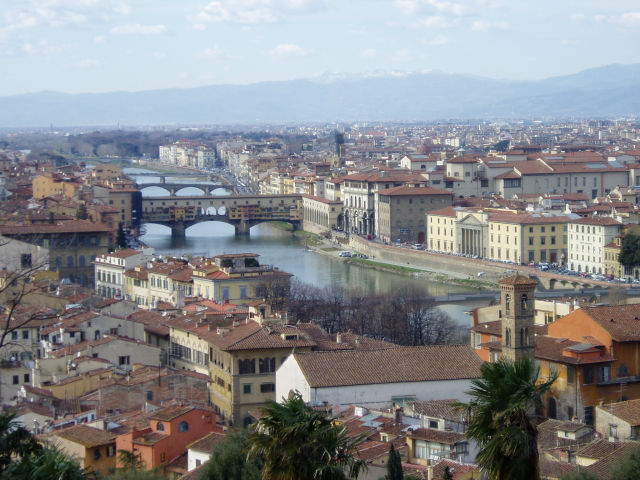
[501, 403]
[629, 255]
[229, 460]
[299, 443]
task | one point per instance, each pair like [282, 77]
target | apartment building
[110, 269]
[359, 196]
[239, 278]
[504, 235]
[588, 237]
[400, 211]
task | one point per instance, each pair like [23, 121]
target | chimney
[338, 337]
[398, 415]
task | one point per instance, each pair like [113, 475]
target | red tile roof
[403, 364]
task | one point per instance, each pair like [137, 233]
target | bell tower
[517, 306]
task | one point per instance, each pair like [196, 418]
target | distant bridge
[241, 211]
[173, 188]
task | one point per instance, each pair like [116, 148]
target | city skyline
[79, 46]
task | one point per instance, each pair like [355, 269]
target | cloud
[88, 63]
[251, 12]
[99, 39]
[577, 17]
[288, 50]
[28, 14]
[369, 53]
[484, 26]
[137, 29]
[412, 7]
[438, 21]
[40, 48]
[435, 41]
[248, 12]
[628, 19]
[160, 55]
[213, 53]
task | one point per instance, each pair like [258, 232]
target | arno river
[283, 250]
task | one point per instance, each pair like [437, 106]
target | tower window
[523, 302]
[507, 303]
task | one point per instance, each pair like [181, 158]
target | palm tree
[500, 407]
[15, 441]
[297, 442]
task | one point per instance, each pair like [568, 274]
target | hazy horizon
[92, 46]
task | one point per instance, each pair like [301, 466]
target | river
[285, 251]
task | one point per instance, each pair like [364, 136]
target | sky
[79, 46]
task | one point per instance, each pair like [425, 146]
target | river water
[285, 251]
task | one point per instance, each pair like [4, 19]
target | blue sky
[106, 45]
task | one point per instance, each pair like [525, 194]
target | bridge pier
[178, 230]
[242, 228]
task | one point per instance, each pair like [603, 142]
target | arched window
[523, 302]
[507, 334]
[507, 303]
[183, 427]
[160, 427]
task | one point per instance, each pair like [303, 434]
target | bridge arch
[155, 191]
[191, 190]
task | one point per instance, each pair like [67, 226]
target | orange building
[595, 352]
[170, 430]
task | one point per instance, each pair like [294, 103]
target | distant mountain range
[609, 91]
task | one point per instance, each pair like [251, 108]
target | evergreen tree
[628, 468]
[229, 461]
[81, 213]
[446, 475]
[394, 465]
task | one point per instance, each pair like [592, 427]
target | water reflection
[288, 253]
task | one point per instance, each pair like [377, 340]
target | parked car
[344, 254]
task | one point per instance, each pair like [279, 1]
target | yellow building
[106, 172]
[136, 286]
[503, 235]
[611, 264]
[90, 447]
[528, 237]
[52, 184]
[239, 278]
[128, 201]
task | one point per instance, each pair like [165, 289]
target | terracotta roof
[490, 328]
[622, 322]
[71, 226]
[597, 220]
[407, 191]
[445, 409]
[518, 279]
[206, 443]
[456, 469]
[86, 436]
[445, 212]
[403, 364]
[170, 413]
[150, 438]
[439, 436]
[629, 411]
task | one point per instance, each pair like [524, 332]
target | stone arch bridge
[241, 211]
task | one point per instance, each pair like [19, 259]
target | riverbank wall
[447, 265]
